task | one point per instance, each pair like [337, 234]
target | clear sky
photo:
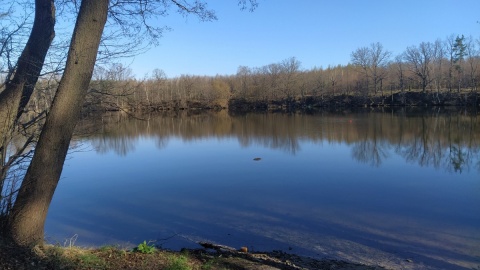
[317, 32]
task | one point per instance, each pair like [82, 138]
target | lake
[399, 188]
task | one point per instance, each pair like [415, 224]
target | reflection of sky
[319, 201]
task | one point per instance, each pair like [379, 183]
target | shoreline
[111, 257]
[308, 103]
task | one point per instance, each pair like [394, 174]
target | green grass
[178, 262]
[89, 260]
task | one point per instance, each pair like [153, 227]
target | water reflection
[443, 140]
[366, 186]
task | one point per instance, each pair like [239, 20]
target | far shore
[412, 99]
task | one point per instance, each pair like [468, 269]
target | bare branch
[251, 5]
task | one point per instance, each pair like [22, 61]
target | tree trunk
[19, 89]
[26, 221]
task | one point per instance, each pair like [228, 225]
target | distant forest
[441, 73]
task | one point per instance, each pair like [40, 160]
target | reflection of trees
[449, 142]
[161, 143]
[370, 148]
[463, 144]
[457, 159]
[424, 148]
[370, 152]
[120, 145]
[275, 131]
[442, 140]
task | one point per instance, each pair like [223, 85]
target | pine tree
[459, 49]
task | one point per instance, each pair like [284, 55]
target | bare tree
[290, 68]
[26, 220]
[380, 59]
[450, 53]
[20, 82]
[420, 57]
[112, 89]
[400, 72]
[361, 58]
[373, 61]
[159, 80]
[334, 75]
[243, 73]
[19, 89]
[273, 73]
[473, 61]
[12, 31]
[437, 62]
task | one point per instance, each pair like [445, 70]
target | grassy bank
[147, 257]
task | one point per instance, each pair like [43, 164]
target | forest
[441, 73]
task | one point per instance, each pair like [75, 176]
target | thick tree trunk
[20, 86]
[18, 91]
[26, 221]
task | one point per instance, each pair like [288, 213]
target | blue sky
[316, 32]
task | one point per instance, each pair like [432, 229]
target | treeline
[441, 73]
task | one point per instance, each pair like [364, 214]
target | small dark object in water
[257, 159]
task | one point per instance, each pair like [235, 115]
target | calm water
[366, 187]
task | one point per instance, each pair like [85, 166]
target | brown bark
[26, 221]
[18, 91]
